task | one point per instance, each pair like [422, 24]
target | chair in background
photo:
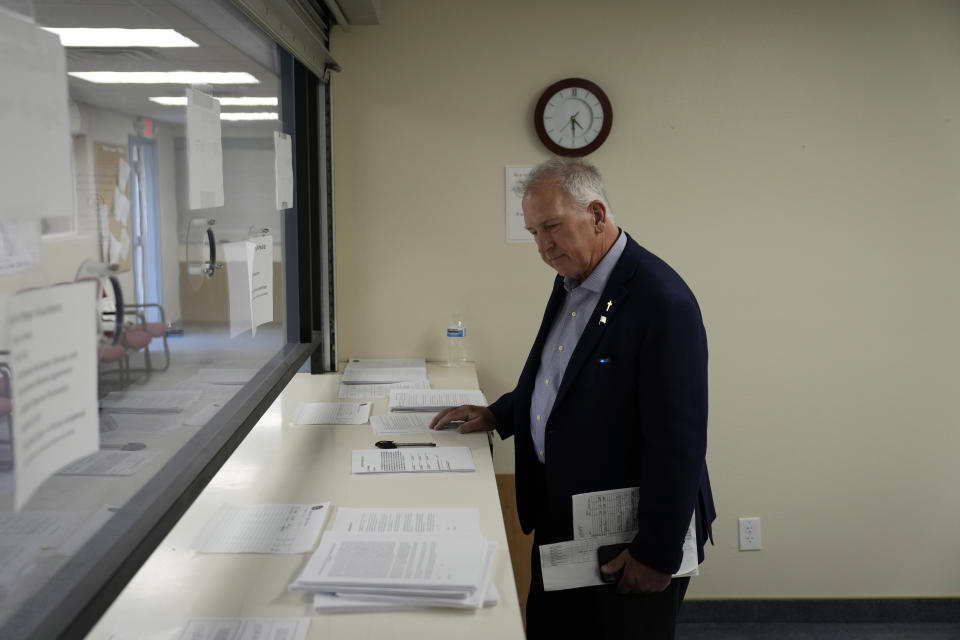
[149, 330]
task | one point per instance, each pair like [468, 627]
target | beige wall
[797, 162]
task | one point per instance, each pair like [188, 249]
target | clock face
[573, 117]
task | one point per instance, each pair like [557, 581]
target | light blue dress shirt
[568, 326]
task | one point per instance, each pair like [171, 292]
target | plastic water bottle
[456, 338]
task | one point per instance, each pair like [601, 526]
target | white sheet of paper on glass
[54, 381]
[235, 255]
[36, 174]
[121, 207]
[19, 245]
[123, 173]
[204, 151]
[263, 528]
[516, 231]
[283, 169]
[261, 281]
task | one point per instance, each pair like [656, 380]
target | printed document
[402, 423]
[601, 518]
[246, 629]
[332, 413]
[396, 563]
[365, 391]
[263, 528]
[413, 460]
[434, 399]
[406, 520]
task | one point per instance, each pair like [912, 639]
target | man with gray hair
[613, 395]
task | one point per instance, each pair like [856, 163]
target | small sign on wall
[516, 232]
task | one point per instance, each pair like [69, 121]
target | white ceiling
[213, 54]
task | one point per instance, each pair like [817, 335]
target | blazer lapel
[615, 292]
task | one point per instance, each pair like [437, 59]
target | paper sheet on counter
[263, 528]
[406, 520]
[331, 413]
[246, 629]
[413, 460]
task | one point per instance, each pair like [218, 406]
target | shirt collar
[597, 279]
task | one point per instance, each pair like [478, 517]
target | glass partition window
[136, 308]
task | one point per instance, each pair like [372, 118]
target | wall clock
[573, 117]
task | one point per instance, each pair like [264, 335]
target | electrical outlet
[750, 539]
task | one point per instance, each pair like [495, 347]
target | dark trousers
[601, 612]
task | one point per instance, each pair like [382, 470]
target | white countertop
[283, 463]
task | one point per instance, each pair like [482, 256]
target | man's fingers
[445, 417]
[475, 424]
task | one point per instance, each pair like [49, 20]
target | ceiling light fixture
[166, 77]
[121, 37]
[257, 115]
[245, 101]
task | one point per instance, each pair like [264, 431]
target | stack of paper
[434, 399]
[380, 559]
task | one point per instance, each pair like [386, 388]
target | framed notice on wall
[113, 202]
[516, 231]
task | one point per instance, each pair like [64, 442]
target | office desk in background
[280, 462]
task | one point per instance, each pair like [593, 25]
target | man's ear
[599, 212]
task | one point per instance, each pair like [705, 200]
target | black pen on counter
[390, 444]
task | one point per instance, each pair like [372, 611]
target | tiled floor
[818, 631]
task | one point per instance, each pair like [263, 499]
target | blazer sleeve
[672, 398]
[502, 410]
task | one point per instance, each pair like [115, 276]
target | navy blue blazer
[631, 410]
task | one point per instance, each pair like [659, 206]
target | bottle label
[455, 332]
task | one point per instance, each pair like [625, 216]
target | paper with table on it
[54, 388]
[406, 520]
[149, 401]
[263, 528]
[366, 391]
[246, 629]
[413, 460]
[238, 256]
[331, 413]
[434, 399]
[601, 518]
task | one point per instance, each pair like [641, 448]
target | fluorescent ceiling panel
[244, 101]
[121, 37]
[258, 115]
[166, 77]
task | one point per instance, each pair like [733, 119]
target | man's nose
[543, 242]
